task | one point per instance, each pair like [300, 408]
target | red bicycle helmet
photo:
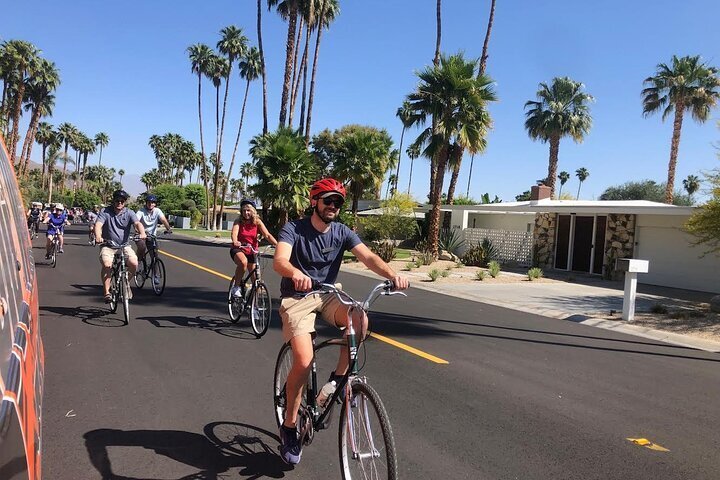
[324, 187]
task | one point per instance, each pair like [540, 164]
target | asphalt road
[180, 393]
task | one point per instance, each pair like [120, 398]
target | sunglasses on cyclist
[119, 200]
[336, 201]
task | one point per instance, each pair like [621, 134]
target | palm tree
[66, 134]
[236, 187]
[404, 113]
[150, 178]
[456, 99]
[327, 11]
[201, 57]
[101, 140]
[563, 177]
[87, 146]
[562, 110]
[121, 173]
[285, 171]
[262, 64]
[687, 84]
[23, 56]
[392, 181]
[691, 184]
[413, 152]
[582, 174]
[438, 32]
[307, 16]
[249, 70]
[247, 170]
[54, 156]
[288, 10]
[484, 56]
[44, 136]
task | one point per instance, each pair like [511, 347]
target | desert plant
[410, 265]
[534, 273]
[445, 273]
[425, 254]
[384, 250]
[658, 308]
[480, 275]
[459, 264]
[494, 269]
[491, 251]
[434, 274]
[480, 254]
[451, 239]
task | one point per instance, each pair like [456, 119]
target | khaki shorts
[298, 314]
[107, 254]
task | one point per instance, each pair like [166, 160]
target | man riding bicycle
[114, 225]
[311, 249]
[56, 226]
[33, 216]
[244, 232]
[91, 217]
[150, 216]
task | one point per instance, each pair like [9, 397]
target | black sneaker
[290, 447]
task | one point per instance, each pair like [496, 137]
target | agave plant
[451, 239]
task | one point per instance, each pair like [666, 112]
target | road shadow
[92, 315]
[223, 447]
[220, 325]
[399, 325]
[196, 241]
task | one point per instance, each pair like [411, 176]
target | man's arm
[140, 229]
[98, 231]
[166, 223]
[377, 265]
[282, 265]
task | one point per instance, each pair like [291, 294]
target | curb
[617, 326]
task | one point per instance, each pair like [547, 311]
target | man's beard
[325, 217]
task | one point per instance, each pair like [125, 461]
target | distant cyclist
[33, 215]
[91, 219]
[245, 231]
[56, 222]
[114, 225]
[150, 216]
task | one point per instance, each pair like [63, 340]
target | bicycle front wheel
[367, 445]
[158, 276]
[114, 293]
[125, 286]
[235, 304]
[140, 274]
[261, 310]
[53, 255]
[282, 370]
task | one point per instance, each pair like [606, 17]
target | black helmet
[151, 198]
[247, 201]
[120, 194]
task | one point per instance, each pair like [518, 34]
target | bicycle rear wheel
[140, 274]
[261, 310]
[53, 255]
[114, 293]
[235, 304]
[282, 369]
[125, 289]
[367, 445]
[158, 276]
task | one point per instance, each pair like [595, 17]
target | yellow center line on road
[382, 338]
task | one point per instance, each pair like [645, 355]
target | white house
[588, 236]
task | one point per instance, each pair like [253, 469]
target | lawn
[201, 233]
[400, 254]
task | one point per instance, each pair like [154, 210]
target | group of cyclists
[309, 251]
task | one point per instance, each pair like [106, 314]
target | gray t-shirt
[116, 226]
[318, 255]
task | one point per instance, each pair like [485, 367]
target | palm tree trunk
[412, 161]
[304, 90]
[434, 223]
[237, 140]
[438, 16]
[64, 172]
[222, 124]
[295, 73]
[44, 166]
[560, 192]
[262, 65]
[484, 57]
[674, 147]
[289, 54]
[397, 171]
[302, 71]
[314, 73]
[15, 134]
[457, 152]
[29, 139]
[82, 176]
[202, 148]
[578, 194]
[472, 161]
[51, 172]
[216, 170]
[553, 163]
[100, 159]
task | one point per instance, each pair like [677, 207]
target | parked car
[21, 349]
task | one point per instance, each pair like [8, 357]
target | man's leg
[106, 258]
[48, 244]
[360, 323]
[132, 261]
[302, 358]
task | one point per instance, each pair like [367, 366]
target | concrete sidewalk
[565, 301]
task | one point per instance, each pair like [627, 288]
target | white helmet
[59, 206]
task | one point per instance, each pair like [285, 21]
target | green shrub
[196, 193]
[480, 254]
[434, 274]
[494, 269]
[445, 273]
[534, 273]
[170, 197]
[195, 218]
[188, 204]
[459, 264]
[384, 250]
[450, 239]
[424, 253]
[180, 213]
[410, 265]
[480, 275]
[659, 308]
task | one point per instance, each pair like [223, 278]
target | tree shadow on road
[92, 315]
[224, 446]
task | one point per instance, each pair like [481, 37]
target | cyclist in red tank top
[245, 231]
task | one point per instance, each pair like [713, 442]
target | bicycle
[119, 282]
[365, 438]
[155, 268]
[256, 300]
[54, 249]
[33, 227]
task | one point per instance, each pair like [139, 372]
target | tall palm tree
[413, 152]
[66, 133]
[54, 156]
[582, 174]
[217, 69]
[44, 136]
[306, 10]
[456, 99]
[40, 101]
[247, 170]
[87, 147]
[691, 184]
[563, 177]
[404, 113]
[438, 32]
[288, 10]
[121, 173]
[262, 65]
[562, 110]
[101, 140]
[484, 56]
[23, 56]
[327, 11]
[391, 183]
[685, 84]
[249, 70]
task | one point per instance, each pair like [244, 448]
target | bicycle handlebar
[384, 288]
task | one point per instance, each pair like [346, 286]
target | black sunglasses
[336, 201]
[119, 200]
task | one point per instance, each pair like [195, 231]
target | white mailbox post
[631, 267]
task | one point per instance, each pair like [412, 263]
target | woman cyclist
[245, 231]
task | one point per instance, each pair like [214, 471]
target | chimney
[539, 192]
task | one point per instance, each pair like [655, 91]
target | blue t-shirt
[116, 226]
[55, 224]
[318, 255]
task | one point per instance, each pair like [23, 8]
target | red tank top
[248, 234]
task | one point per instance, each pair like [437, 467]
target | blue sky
[125, 71]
